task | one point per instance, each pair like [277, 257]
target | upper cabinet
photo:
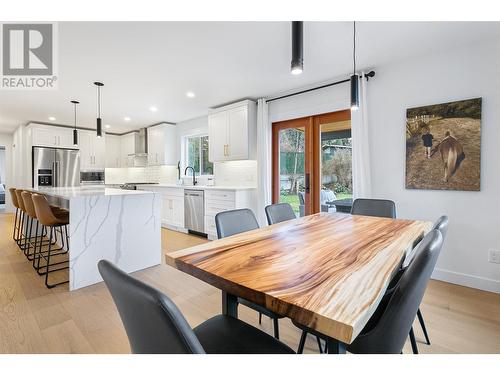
[127, 148]
[232, 132]
[113, 151]
[161, 145]
[92, 150]
[52, 136]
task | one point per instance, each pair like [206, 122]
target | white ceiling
[145, 64]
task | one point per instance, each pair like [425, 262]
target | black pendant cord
[74, 104]
[354, 48]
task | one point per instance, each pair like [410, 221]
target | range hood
[139, 158]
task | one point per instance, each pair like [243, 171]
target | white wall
[468, 72]
[6, 141]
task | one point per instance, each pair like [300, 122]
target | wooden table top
[325, 271]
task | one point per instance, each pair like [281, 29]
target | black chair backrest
[442, 225]
[153, 323]
[374, 207]
[396, 317]
[276, 213]
[233, 222]
[301, 197]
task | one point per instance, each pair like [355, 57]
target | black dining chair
[154, 324]
[389, 326]
[374, 207]
[276, 213]
[232, 222]
[442, 226]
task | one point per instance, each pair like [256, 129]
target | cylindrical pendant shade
[354, 92]
[99, 127]
[297, 64]
[75, 137]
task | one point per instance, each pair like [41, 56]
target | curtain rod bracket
[369, 75]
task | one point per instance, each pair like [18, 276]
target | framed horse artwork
[443, 146]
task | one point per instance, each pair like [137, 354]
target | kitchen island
[122, 226]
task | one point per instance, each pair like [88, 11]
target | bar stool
[16, 231]
[32, 219]
[23, 218]
[47, 218]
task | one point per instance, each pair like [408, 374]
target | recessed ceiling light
[190, 94]
[153, 108]
[126, 118]
[107, 126]
[52, 118]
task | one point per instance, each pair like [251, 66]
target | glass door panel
[335, 158]
[292, 183]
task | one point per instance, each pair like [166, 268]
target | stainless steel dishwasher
[194, 210]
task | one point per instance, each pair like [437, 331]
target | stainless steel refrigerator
[55, 167]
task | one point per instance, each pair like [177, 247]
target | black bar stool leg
[422, 324]
[413, 341]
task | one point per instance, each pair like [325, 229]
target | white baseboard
[470, 281]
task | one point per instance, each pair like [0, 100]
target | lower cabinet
[172, 200]
[173, 210]
[223, 200]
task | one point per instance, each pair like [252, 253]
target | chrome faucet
[194, 175]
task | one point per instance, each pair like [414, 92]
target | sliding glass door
[311, 162]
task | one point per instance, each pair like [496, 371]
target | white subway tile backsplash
[236, 173]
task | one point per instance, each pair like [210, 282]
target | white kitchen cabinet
[161, 145]
[113, 153]
[127, 148]
[224, 200]
[51, 136]
[92, 150]
[232, 132]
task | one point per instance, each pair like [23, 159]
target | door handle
[307, 183]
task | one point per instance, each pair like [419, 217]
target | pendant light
[297, 65]
[354, 76]
[99, 120]
[75, 132]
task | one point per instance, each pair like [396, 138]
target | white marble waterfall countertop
[82, 191]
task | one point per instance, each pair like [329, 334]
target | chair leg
[318, 340]
[276, 329]
[413, 341]
[422, 324]
[302, 342]
[260, 318]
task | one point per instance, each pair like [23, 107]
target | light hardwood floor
[34, 319]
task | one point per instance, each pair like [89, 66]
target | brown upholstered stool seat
[20, 201]
[45, 214]
[13, 197]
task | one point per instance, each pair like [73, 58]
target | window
[197, 155]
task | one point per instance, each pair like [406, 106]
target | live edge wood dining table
[325, 271]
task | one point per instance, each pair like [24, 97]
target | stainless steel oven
[92, 177]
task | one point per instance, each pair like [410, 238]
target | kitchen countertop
[82, 191]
